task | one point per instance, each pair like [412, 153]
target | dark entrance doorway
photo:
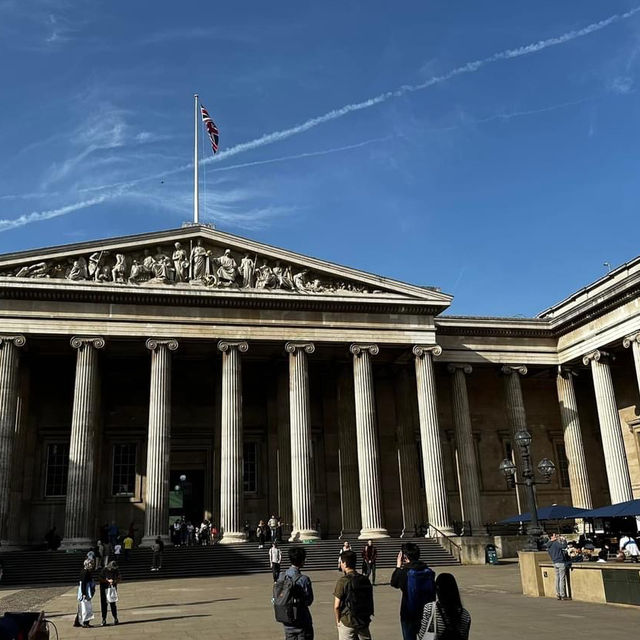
[186, 497]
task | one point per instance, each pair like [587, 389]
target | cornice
[490, 326]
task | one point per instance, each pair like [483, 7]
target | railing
[454, 549]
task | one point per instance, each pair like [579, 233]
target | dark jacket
[399, 581]
[306, 596]
[369, 553]
[556, 551]
[109, 574]
[86, 583]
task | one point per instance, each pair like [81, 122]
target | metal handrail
[452, 545]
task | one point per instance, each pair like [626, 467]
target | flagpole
[196, 196]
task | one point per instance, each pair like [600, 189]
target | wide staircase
[59, 567]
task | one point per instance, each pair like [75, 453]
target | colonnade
[359, 450]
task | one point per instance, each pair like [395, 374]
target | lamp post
[546, 469]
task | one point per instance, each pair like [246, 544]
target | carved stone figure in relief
[79, 270]
[162, 267]
[227, 269]
[119, 271]
[300, 281]
[180, 263]
[283, 276]
[247, 267]
[137, 272]
[96, 262]
[37, 270]
[198, 260]
[265, 278]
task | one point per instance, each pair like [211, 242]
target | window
[563, 465]
[250, 467]
[57, 469]
[124, 469]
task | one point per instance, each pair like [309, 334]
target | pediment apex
[198, 255]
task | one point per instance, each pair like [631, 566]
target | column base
[233, 537]
[76, 544]
[448, 532]
[12, 545]
[148, 541]
[345, 534]
[373, 534]
[304, 535]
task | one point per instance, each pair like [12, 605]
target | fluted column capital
[153, 343]
[597, 356]
[359, 349]
[509, 369]
[420, 350]
[80, 342]
[240, 345]
[630, 339]
[567, 373]
[292, 347]
[17, 340]
[452, 367]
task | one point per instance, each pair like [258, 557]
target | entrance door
[186, 496]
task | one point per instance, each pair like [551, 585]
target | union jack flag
[211, 128]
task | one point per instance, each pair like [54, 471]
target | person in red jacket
[369, 558]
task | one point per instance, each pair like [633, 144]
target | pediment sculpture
[195, 264]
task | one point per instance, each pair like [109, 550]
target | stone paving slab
[239, 608]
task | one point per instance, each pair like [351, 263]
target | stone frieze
[195, 264]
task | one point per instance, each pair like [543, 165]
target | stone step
[48, 567]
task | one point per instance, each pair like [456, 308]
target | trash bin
[491, 554]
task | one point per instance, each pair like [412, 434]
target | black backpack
[286, 600]
[358, 599]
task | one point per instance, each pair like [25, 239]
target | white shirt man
[630, 548]
[275, 558]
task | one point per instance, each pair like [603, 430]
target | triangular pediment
[204, 259]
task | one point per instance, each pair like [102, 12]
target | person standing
[158, 550]
[303, 629]
[86, 590]
[113, 533]
[261, 533]
[369, 558]
[127, 543]
[446, 617]
[352, 601]
[417, 583]
[346, 546]
[273, 527]
[275, 558]
[557, 552]
[109, 579]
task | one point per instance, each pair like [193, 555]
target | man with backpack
[353, 601]
[417, 583]
[292, 597]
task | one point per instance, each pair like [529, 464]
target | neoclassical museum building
[196, 372]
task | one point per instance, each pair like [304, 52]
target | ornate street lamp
[546, 468]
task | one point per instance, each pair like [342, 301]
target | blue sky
[508, 183]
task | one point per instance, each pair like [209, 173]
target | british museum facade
[196, 372]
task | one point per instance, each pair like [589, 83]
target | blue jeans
[409, 629]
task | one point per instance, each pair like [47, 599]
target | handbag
[86, 611]
[112, 594]
[433, 620]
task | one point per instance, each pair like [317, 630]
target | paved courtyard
[239, 608]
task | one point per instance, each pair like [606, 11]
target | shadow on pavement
[173, 604]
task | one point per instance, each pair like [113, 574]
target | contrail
[276, 136]
[37, 216]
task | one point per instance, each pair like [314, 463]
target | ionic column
[516, 414]
[633, 341]
[78, 524]
[299, 407]
[156, 514]
[468, 467]
[578, 474]
[9, 361]
[435, 489]
[615, 458]
[348, 458]
[231, 444]
[367, 441]
[408, 461]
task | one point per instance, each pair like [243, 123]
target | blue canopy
[619, 510]
[554, 512]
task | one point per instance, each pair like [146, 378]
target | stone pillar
[468, 466]
[367, 443]
[9, 382]
[231, 444]
[299, 407]
[156, 514]
[408, 461]
[284, 450]
[578, 474]
[615, 458]
[516, 416]
[348, 458]
[81, 488]
[633, 341]
[435, 489]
